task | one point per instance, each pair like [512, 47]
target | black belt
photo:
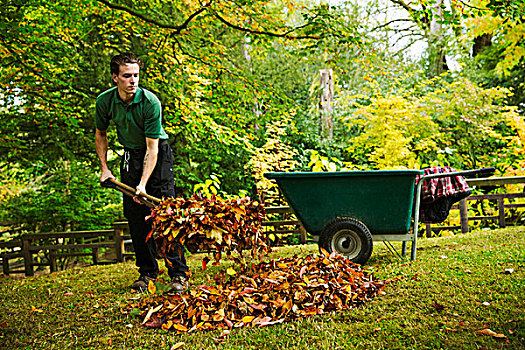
[142, 150]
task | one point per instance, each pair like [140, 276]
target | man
[147, 163]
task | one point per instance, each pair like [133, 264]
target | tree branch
[252, 31]
[403, 5]
[472, 7]
[177, 29]
[424, 21]
[390, 22]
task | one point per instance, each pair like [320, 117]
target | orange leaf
[152, 288]
[248, 319]
[180, 327]
[167, 325]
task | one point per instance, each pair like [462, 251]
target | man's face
[127, 80]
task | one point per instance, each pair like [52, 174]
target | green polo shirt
[140, 119]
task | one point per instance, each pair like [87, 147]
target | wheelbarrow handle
[130, 191]
[483, 171]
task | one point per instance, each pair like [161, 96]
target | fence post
[28, 257]
[119, 243]
[5, 265]
[303, 234]
[95, 256]
[463, 215]
[428, 228]
[52, 261]
[501, 210]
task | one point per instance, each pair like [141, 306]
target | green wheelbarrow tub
[383, 200]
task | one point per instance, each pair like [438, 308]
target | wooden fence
[501, 202]
[284, 226]
[43, 249]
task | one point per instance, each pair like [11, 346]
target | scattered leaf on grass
[487, 331]
[509, 271]
[34, 309]
[438, 306]
[177, 346]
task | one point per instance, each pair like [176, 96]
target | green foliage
[62, 198]
[511, 9]
[392, 132]
[55, 58]
[276, 155]
[437, 122]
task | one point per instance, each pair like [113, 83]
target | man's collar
[136, 99]
[138, 95]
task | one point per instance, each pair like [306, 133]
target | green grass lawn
[457, 286]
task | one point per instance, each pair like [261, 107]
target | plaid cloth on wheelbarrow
[439, 194]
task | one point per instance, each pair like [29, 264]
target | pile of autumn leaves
[246, 294]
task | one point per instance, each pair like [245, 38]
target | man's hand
[141, 189]
[101, 146]
[107, 174]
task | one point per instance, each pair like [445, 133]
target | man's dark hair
[124, 58]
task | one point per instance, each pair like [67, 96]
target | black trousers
[160, 184]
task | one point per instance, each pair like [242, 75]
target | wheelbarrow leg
[416, 220]
[404, 248]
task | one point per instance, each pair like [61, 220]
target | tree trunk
[326, 104]
[480, 43]
[437, 60]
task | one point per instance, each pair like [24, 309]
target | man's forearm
[150, 160]
[101, 146]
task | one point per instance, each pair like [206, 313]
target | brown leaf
[487, 331]
[177, 346]
[438, 306]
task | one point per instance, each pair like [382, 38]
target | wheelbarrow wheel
[349, 237]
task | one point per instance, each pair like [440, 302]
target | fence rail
[498, 198]
[43, 249]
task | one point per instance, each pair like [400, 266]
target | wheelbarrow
[346, 211]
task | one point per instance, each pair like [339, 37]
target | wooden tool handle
[130, 191]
